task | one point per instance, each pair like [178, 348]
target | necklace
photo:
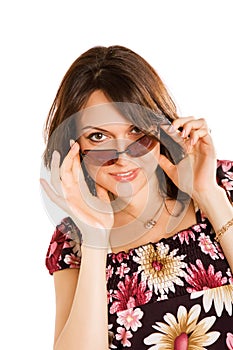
[150, 223]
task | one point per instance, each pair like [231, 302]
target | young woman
[143, 259]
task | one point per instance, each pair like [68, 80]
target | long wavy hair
[124, 77]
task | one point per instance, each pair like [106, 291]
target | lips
[124, 176]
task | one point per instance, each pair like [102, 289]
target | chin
[127, 189]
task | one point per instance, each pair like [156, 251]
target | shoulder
[64, 249]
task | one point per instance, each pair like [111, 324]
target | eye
[97, 136]
[136, 130]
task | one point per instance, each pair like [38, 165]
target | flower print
[142, 296]
[57, 243]
[160, 269]
[230, 175]
[219, 250]
[229, 341]
[123, 269]
[226, 165]
[207, 246]
[199, 227]
[110, 327]
[130, 293]
[183, 333]
[72, 260]
[225, 177]
[212, 286]
[130, 318]
[109, 272]
[228, 185]
[185, 235]
[124, 335]
[65, 241]
[163, 297]
[75, 247]
[220, 296]
[109, 295]
[201, 279]
[230, 276]
[119, 257]
[112, 347]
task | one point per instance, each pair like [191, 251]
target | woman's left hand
[196, 172]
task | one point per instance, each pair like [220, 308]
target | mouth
[125, 176]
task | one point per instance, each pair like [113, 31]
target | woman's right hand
[93, 215]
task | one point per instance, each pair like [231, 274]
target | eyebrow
[93, 127]
[100, 129]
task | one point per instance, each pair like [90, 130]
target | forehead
[100, 116]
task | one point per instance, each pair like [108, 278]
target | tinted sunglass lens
[101, 157]
[142, 146]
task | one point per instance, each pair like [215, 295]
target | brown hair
[123, 76]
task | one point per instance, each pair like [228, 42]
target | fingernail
[71, 142]
[171, 128]
[74, 146]
[183, 134]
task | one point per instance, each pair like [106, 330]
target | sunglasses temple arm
[154, 130]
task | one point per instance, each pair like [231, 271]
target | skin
[77, 290]
[117, 133]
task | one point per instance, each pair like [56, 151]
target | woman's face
[102, 127]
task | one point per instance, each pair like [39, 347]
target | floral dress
[176, 294]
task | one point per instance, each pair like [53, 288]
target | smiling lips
[126, 175]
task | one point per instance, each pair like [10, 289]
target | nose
[123, 159]
[121, 145]
[123, 154]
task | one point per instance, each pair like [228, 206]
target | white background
[190, 45]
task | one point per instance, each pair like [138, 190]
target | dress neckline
[200, 220]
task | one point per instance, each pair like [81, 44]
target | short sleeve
[65, 247]
[225, 177]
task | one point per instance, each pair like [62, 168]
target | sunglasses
[106, 157]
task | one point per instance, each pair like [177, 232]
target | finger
[175, 135]
[76, 169]
[55, 172]
[179, 122]
[66, 172]
[196, 135]
[76, 166]
[80, 183]
[189, 124]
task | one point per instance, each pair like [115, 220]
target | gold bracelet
[222, 230]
